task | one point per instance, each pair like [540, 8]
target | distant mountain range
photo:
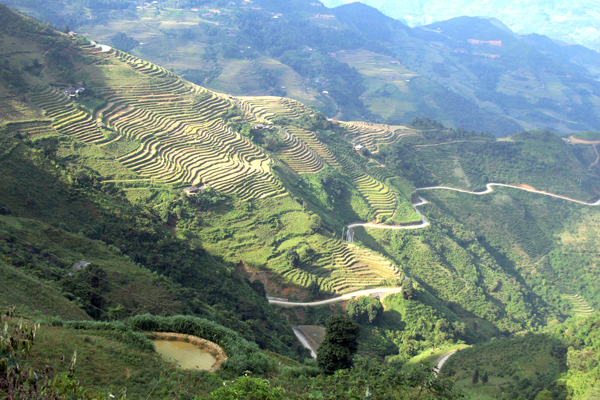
[573, 22]
[353, 62]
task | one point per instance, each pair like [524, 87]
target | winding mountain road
[489, 189]
[424, 223]
[440, 363]
[383, 290]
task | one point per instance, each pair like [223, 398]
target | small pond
[185, 354]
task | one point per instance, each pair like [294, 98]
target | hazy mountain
[572, 22]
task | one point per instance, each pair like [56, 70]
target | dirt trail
[597, 158]
[576, 140]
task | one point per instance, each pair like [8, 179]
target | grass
[433, 355]
[33, 297]
[108, 364]
[56, 251]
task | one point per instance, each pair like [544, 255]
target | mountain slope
[104, 176]
[336, 61]
[575, 22]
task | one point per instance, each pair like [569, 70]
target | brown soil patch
[212, 348]
[525, 186]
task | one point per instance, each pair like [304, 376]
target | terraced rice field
[373, 135]
[32, 129]
[304, 153]
[298, 156]
[310, 140]
[580, 307]
[66, 118]
[341, 267]
[266, 108]
[182, 140]
[382, 200]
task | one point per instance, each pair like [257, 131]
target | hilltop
[186, 201]
[565, 22]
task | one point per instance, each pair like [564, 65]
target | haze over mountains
[575, 22]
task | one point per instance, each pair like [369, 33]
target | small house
[72, 92]
[194, 190]
[358, 146]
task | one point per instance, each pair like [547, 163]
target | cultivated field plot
[580, 307]
[304, 153]
[373, 135]
[381, 199]
[180, 139]
[386, 82]
[295, 86]
[267, 108]
[340, 267]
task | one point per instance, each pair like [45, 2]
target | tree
[484, 378]
[544, 395]
[476, 377]
[67, 30]
[89, 286]
[364, 310]
[339, 345]
[293, 258]
[408, 289]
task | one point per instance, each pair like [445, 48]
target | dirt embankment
[213, 349]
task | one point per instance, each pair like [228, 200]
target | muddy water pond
[186, 355]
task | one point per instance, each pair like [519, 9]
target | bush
[4, 209]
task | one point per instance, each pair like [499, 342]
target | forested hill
[350, 66]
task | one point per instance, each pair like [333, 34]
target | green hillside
[191, 206]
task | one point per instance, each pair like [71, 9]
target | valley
[149, 205]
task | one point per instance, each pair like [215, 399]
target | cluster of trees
[365, 310]
[123, 42]
[564, 357]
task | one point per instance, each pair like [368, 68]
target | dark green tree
[484, 378]
[293, 258]
[340, 344]
[408, 289]
[67, 30]
[89, 286]
[364, 310]
[475, 377]
[544, 395]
